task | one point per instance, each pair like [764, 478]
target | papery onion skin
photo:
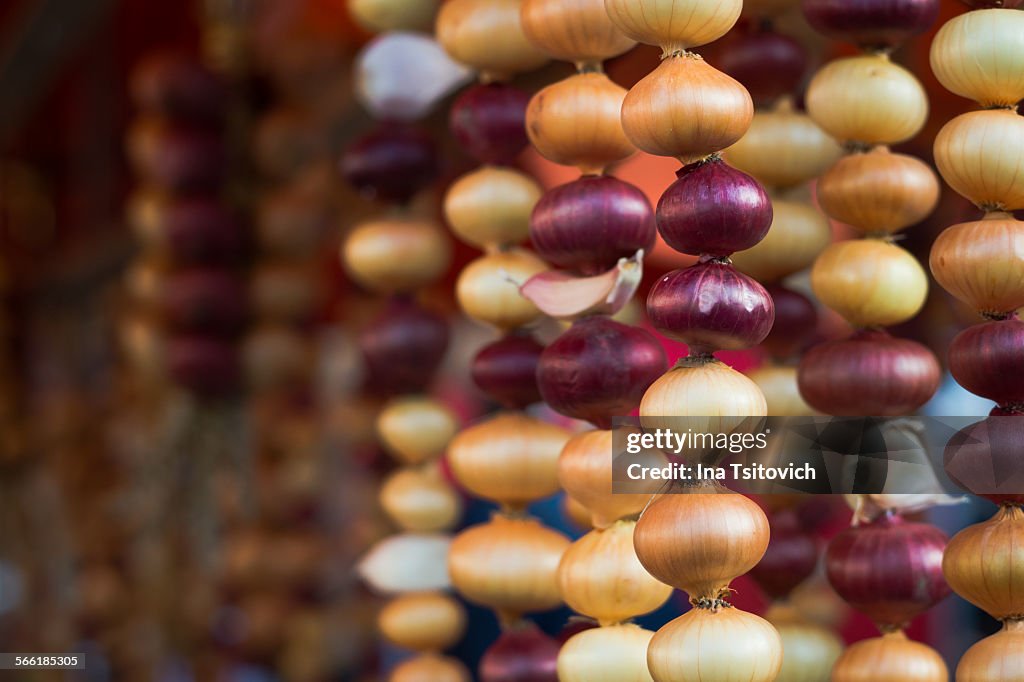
[690, 23]
[984, 458]
[506, 370]
[489, 122]
[616, 653]
[711, 306]
[521, 654]
[487, 36]
[984, 564]
[599, 369]
[982, 263]
[871, 24]
[890, 658]
[870, 373]
[799, 232]
[768, 64]
[713, 209]
[415, 428]
[890, 569]
[791, 557]
[488, 288]
[997, 658]
[423, 621]
[986, 359]
[589, 224]
[396, 255]
[796, 320]
[977, 55]
[403, 347]
[430, 668]
[391, 163]
[578, 31]
[981, 155]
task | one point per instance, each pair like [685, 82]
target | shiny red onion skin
[391, 163]
[206, 366]
[506, 370]
[768, 64]
[183, 160]
[791, 557]
[522, 654]
[796, 320]
[713, 209]
[711, 306]
[589, 224]
[403, 348]
[599, 369]
[869, 374]
[202, 231]
[489, 122]
[988, 360]
[871, 24]
[890, 569]
[177, 86]
[208, 301]
[985, 458]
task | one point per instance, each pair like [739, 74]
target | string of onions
[977, 55]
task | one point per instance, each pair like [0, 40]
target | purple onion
[179, 87]
[713, 209]
[506, 370]
[391, 163]
[210, 302]
[521, 654]
[403, 347]
[208, 367]
[988, 360]
[589, 224]
[176, 158]
[791, 557]
[890, 569]
[202, 231]
[987, 458]
[796, 320]
[489, 121]
[871, 24]
[711, 306]
[599, 369]
[767, 63]
[992, 4]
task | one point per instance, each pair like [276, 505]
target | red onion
[521, 654]
[202, 231]
[599, 369]
[589, 224]
[791, 557]
[208, 367]
[890, 569]
[871, 24]
[177, 158]
[768, 64]
[871, 373]
[506, 370]
[711, 306]
[177, 86]
[489, 122]
[987, 459]
[796, 320]
[1008, 411]
[990, 4]
[403, 347]
[391, 163]
[713, 209]
[988, 359]
[211, 302]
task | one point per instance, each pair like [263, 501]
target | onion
[983, 459]
[982, 263]
[768, 64]
[208, 367]
[781, 391]
[189, 230]
[715, 397]
[686, 108]
[177, 86]
[391, 163]
[867, 100]
[423, 621]
[276, 357]
[510, 458]
[600, 576]
[791, 557]
[890, 658]
[711, 306]
[715, 210]
[378, 16]
[809, 650]
[589, 224]
[980, 56]
[491, 207]
[576, 31]
[890, 569]
[869, 282]
[205, 301]
[288, 139]
[981, 155]
[181, 160]
[509, 565]
[488, 120]
[715, 646]
[870, 373]
[994, 658]
[610, 654]
[879, 192]
[796, 320]
[430, 668]
[576, 122]
[871, 24]
[674, 24]
[799, 233]
[488, 288]
[410, 562]
[293, 222]
[599, 369]
[701, 541]
[420, 500]
[396, 255]
[403, 347]
[521, 654]
[986, 360]
[506, 370]
[285, 292]
[992, 4]
[487, 36]
[983, 564]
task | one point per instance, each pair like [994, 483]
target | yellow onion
[488, 288]
[998, 658]
[510, 458]
[879, 192]
[430, 668]
[726, 645]
[487, 36]
[686, 108]
[576, 31]
[867, 100]
[701, 541]
[778, 383]
[396, 255]
[410, 562]
[981, 155]
[869, 282]
[982, 263]
[577, 122]
[610, 654]
[509, 565]
[378, 16]
[799, 232]
[420, 500]
[674, 24]
[715, 398]
[809, 650]
[423, 621]
[491, 206]
[890, 658]
[600, 576]
[980, 55]
[783, 148]
[415, 429]
[984, 564]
